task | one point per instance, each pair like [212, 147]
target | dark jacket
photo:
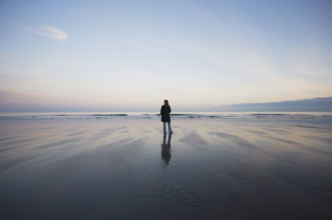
[164, 111]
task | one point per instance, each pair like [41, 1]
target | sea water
[321, 116]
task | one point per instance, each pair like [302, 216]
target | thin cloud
[48, 31]
[53, 33]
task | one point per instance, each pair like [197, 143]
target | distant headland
[305, 105]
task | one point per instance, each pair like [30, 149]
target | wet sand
[127, 169]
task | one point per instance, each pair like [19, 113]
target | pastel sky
[123, 55]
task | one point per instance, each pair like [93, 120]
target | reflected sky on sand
[209, 168]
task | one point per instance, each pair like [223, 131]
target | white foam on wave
[185, 115]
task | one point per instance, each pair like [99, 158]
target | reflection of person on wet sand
[165, 149]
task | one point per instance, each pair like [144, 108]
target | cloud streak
[48, 31]
[53, 33]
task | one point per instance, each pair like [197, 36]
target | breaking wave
[145, 116]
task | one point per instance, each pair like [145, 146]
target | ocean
[153, 115]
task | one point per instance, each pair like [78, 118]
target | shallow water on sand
[126, 169]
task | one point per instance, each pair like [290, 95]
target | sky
[70, 55]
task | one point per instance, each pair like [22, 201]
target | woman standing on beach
[165, 117]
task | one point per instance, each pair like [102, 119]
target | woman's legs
[164, 127]
[169, 127]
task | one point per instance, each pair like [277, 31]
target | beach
[126, 168]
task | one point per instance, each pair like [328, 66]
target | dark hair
[166, 102]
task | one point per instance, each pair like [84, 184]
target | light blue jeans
[169, 127]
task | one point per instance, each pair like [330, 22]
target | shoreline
[182, 115]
